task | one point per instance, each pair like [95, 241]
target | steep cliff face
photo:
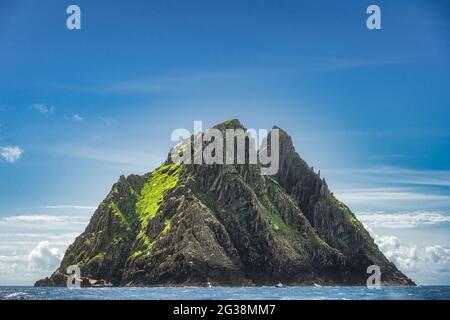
[335, 223]
[226, 225]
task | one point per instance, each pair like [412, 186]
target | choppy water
[226, 293]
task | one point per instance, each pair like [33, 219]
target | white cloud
[11, 154]
[368, 195]
[411, 176]
[13, 228]
[403, 220]
[44, 257]
[52, 219]
[425, 264]
[31, 246]
[25, 268]
[66, 206]
[394, 198]
[43, 109]
[403, 256]
[36, 218]
[438, 254]
[12, 259]
[77, 118]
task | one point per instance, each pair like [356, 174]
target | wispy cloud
[11, 154]
[398, 175]
[336, 63]
[136, 159]
[403, 220]
[396, 188]
[106, 121]
[77, 117]
[377, 195]
[393, 199]
[44, 218]
[183, 82]
[411, 176]
[34, 218]
[377, 134]
[65, 206]
[43, 108]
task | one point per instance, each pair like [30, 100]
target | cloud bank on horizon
[32, 246]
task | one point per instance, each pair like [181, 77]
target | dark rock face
[333, 220]
[225, 225]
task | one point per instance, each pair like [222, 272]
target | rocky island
[195, 225]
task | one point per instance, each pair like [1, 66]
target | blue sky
[370, 109]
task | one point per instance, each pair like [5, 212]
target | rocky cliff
[225, 225]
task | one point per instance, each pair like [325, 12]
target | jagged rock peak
[223, 224]
[229, 124]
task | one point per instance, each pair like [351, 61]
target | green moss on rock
[123, 221]
[161, 180]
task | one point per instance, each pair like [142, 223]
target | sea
[228, 293]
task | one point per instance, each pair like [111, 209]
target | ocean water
[227, 293]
